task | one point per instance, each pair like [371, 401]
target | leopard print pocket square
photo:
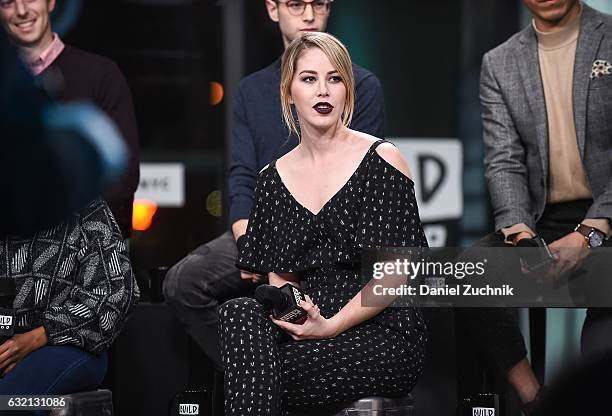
[601, 68]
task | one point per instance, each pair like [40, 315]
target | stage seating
[88, 403]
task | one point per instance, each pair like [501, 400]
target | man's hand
[253, 277]
[570, 251]
[16, 348]
[239, 228]
[519, 236]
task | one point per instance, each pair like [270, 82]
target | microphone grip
[293, 312]
[283, 302]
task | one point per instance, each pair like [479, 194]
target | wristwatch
[593, 236]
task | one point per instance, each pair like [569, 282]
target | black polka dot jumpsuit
[266, 371]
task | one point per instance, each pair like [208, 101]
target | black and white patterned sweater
[75, 279]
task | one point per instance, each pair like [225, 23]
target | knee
[240, 309]
[185, 283]
[172, 284]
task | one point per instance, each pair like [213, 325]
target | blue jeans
[54, 370]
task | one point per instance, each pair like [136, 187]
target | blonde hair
[340, 59]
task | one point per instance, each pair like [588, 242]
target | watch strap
[585, 230]
[588, 231]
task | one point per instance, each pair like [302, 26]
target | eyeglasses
[297, 7]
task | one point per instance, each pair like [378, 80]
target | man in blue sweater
[199, 283]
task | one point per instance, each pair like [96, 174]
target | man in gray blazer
[546, 97]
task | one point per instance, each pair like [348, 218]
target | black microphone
[283, 302]
[534, 253]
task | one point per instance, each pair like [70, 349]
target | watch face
[596, 239]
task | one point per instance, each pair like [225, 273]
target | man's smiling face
[27, 22]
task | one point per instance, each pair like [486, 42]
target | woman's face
[317, 90]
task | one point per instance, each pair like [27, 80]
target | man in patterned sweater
[74, 288]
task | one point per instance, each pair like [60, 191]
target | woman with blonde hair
[315, 209]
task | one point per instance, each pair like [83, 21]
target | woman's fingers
[295, 331]
[6, 357]
[309, 300]
[311, 309]
[9, 368]
[287, 326]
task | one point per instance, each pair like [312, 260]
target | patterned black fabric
[266, 371]
[375, 208]
[75, 279]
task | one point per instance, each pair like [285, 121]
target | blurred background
[183, 60]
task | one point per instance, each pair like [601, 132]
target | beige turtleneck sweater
[567, 178]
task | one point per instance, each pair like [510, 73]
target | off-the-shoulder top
[375, 208]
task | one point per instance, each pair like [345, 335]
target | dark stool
[87, 403]
[380, 406]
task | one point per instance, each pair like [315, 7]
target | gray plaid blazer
[516, 127]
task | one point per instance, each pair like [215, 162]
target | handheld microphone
[283, 302]
[534, 253]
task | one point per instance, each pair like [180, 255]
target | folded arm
[505, 167]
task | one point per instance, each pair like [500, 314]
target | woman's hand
[16, 348]
[315, 327]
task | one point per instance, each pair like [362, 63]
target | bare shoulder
[394, 157]
[363, 140]
[387, 151]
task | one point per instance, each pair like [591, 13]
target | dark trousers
[268, 373]
[197, 285]
[495, 331]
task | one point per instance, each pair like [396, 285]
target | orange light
[216, 93]
[144, 210]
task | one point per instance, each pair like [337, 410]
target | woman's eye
[335, 78]
[308, 79]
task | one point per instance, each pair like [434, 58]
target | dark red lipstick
[323, 108]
